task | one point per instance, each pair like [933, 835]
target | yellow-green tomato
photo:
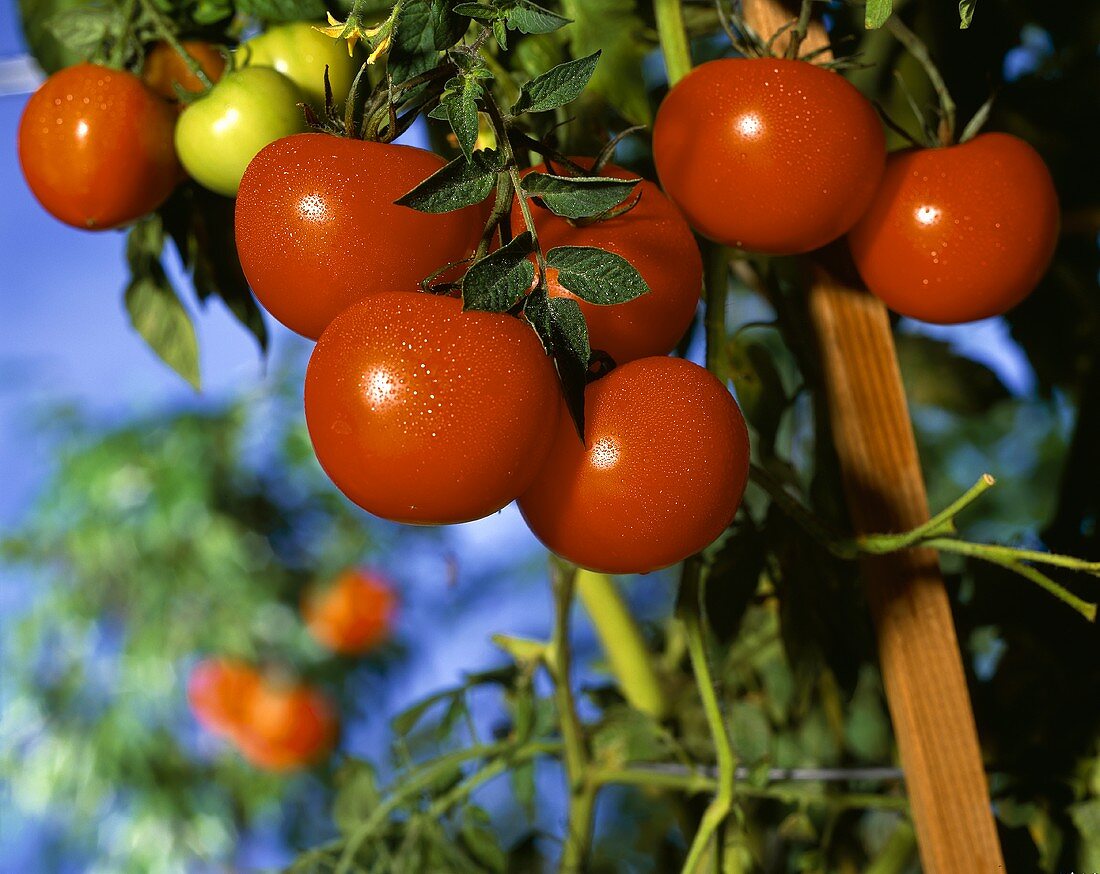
[301, 53]
[218, 134]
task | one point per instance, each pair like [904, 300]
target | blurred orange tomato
[352, 615]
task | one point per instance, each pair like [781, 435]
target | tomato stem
[916, 47]
[164, 28]
[800, 30]
[673, 37]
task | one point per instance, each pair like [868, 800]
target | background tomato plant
[797, 674]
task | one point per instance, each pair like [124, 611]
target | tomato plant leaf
[614, 27]
[357, 794]
[460, 183]
[459, 105]
[283, 10]
[578, 197]
[478, 11]
[497, 282]
[82, 30]
[966, 13]
[480, 840]
[529, 18]
[877, 13]
[558, 86]
[560, 325]
[595, 275]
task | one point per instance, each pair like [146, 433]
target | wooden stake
[918, 650]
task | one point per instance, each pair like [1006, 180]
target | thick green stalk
[674, 41]
[630, 661]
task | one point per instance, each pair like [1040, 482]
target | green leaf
[406, 720]
[528, 17]
[497, 282]
[459, 104]
[425, 28]
[560, 325]
[578, 197]
[935, 375]
[356, 795]
[480, 839]
[750, 732]
[523, 787]
[82, 30]
[595, 275]
[154, 307]
[759, 388]
[877, 13]
[477, 11]
[283, 10]
[157, 314]
[614, 27]
[556, 87]
[459, 184]
[966, 13]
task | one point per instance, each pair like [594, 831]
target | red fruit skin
[217, 691]
[95, 145]
[164, 68]
[425, 414]
[317, 228]
[352, 615]
[286, 728]
[656, 240]
[766, 154]
[960, 233]
[659, 476]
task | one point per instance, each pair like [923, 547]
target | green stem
[801, 28]
[715, 290]
[415, 782]
[582, 792]
[691, 616]
[916, 47]
[674, 41]
[630, 661]
[168, 34]
[118, 50]
[942, 523]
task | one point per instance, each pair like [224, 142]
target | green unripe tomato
[300, 53]
[218, 134]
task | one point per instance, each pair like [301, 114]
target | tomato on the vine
[770, 155]
[960, 233]
[660, 473]
[420, 412]
[164, 69]
[217, 690]
[95, 145]
[286, 727]
[317, 227]
[222, 131]
[654, 237]
[301, 54]
[353, 614]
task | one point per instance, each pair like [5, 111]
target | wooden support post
[918, 650]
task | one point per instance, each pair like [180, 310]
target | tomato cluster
[423, 411]
[277, 726]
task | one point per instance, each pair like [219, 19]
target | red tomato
[286, 727]
[164, 68]
[217, 690]
[769, 155]
[659, 476]
[422, 413]
[653, 237]
[960, 233]
[352, 615]
[317, 228]
[96, 147]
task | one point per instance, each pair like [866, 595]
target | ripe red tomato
[653, 237]
[217, 690]
[317, 228]
[960, 233]
[286, 727]
[96, 149]
[769, 155]
[659, 476]
[352, 615]
[164, 68]
[422, 413]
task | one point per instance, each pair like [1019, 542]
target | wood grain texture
[918, 650]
